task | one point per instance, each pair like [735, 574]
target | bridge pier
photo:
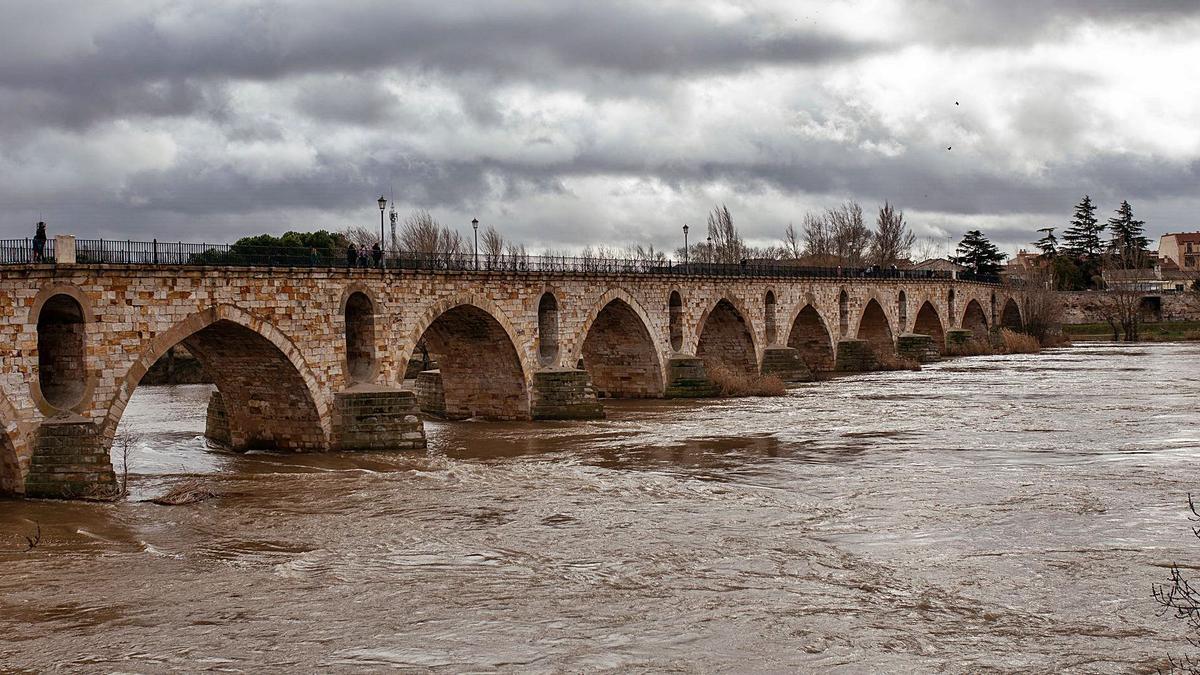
[687, 378]
[787, 363]
[854, 356]
[917, 347]
[70, 461]
[958, 337]
[565, 394]
[368, 417]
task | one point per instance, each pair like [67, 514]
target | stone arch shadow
[1010, 316]
[875, 326]
[300, 421]
[974, 319]
[620, 375]
[11, 442]
[473, 382]
[808, 331]
[929, 322]
[731, 344]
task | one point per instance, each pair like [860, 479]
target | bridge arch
[809, 333]
[929, 323]
[975, 320]
[359, 310]
[726, 337]
[1010, 317]
[619, 350]
[950, 314]
[843, 313]
[484, 370]
[271, 396]
[547, 329]
[874, 327]
[902, 311]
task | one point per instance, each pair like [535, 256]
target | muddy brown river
[986, 514]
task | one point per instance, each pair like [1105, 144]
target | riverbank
[1159, 331]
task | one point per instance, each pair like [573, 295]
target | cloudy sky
[566, 124]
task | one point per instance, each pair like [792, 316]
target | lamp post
[475, 226]
[710, 252]
[382, 206]
[685, 245]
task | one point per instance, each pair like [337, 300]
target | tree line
[1080, 260]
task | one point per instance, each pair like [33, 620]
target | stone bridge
[314, 359]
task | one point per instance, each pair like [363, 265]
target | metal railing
[129, 252]
[25, 251]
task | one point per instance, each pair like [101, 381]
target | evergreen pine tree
[1082, 239]
[1127, 237]
[978, 254]
[1048, 244]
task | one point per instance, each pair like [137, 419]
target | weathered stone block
[431, 395]
[687, 378]
[786, 363]
[564, 395]
[854, 356]
[920, 348]
[369, 417]
[958, 337]
[69, 461]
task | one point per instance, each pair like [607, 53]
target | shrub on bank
[972, 347]
[734, 384]
[1012, 342]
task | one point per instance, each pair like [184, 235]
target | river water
[992, 513]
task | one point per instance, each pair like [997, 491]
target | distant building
[1165, 277]
[1182, 249]
[937, 265]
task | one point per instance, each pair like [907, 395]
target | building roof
[1183, 237]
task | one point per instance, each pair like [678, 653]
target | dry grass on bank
[888, 361]
[972, 347]
[1056, 340]
[185, 492]
[1012, 342]
[734, 384]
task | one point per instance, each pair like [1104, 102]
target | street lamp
[475, 226]
[382, 206]
[710, 252]
[685, 245]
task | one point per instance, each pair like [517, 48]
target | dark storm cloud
[273, 109]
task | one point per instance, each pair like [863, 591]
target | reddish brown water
[1001, 513]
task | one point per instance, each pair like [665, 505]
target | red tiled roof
[1184, 237]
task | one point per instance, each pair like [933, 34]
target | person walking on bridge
[351, 255]
[377, 255]
[39, 242]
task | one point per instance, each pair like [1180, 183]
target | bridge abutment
[786, 363]
[688, 378]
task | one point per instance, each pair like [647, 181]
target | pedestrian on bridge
[39, 242]
[351, 255]
[377, 255]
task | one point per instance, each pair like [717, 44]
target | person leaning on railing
[39, 242]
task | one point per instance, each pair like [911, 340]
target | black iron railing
[112, 252]
[25, 251]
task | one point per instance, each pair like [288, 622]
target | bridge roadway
[314, 359]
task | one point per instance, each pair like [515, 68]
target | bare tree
[360, 236]
[893, 241]
[1043, 305]
[123, 441]
[850, 236]
[727, 245]
[1121, 302]
[493, 243]
[1181, 599]
[818, 240]
[423, 234]
[925, 249]
[793, 247]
